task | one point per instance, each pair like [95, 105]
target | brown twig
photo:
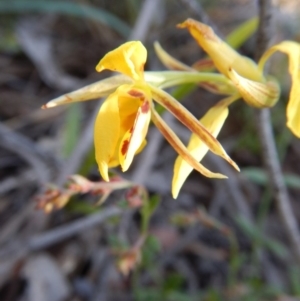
[268, 142]
[39, 49]
[46, 239]
[31, 153]
[20, 248]
[195, 9]
[145, 19]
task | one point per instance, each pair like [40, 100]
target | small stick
[266, 135]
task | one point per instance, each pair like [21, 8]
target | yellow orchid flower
[248, 77]
[123, 120]
[248, 82]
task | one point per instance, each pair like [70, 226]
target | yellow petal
[202, 65]
[213, 120]
[169, 61]
[259, 95]
[135, 136]
[93, 91]
[292, 49]
[180, 148]
[106, 133]
[130, 99]
[190, 121]
[140, 149]
[223, 56]
[128, 59]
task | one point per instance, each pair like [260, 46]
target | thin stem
[166, 79]
[268, 142]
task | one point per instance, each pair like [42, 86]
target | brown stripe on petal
[125, 146]
[68, 98]
[145, 107]
[204, 65]
[180, 148]
[126, 143]
[190, 121]
[202, 29]
[136, 93]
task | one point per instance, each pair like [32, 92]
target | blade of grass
[255, 234]
[68, 8]
[71, 129]
[259, 176]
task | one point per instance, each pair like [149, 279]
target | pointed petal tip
[231, 162]
[219, 176]
[125, 167]
[293, 129]
[48, 105]
[176, 189]
[175, 194]
[103, 169]
[200, 27]
[234, 165]
[99, 67]
[104, 176]
[184, 24]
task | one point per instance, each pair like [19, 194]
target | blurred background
[220, 240]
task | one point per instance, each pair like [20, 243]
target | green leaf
[241, 34]
[259, 176]
[81, 207]
[68, 8]
[256, 234]
[294, 273]
[147, 210]
[72, 129]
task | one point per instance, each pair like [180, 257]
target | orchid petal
[213, 120]
[134, 137]
[93, 91]
[223, 56]
[128, 108]
[202, 65]
[128, 59]
[179, 147]
[190, 121]
[106, 133]
[257, 94]
[169, 61]
[292, 49]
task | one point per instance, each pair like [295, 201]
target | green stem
[166, 79]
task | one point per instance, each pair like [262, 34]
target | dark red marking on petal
[203, 64]
[68, 98]
[125, 146]
[134, 124]
[145, 107]
[136, 93]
